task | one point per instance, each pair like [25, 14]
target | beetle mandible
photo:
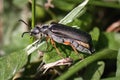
[77, 39]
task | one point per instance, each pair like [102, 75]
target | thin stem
[33, 24]
[33, 13]
[33, 16]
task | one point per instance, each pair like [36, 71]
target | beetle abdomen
[70, 32]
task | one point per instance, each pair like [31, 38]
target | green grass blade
[34, 46]
[74, 13]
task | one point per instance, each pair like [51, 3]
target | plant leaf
[74, 13]
[11, 63]
[94, 71]
[95, 35]
[110, 40]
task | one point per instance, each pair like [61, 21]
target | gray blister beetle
[77, 39]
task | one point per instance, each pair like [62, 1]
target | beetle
[56, 32]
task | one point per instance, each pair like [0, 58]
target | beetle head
[33, 32]
[37, 30]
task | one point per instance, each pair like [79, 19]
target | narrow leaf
[94, 71]
[74, 13]
[34, 46]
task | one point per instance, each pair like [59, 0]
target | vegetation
[23, 59]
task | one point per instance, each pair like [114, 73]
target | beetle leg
[68, 43]
[54, 45]
[47, 38]
[74, 49]
[81, 57]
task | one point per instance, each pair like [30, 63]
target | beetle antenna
[23, 22]
[24, 33]
[20, 20]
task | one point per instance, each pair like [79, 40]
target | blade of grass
[74, 13]
[32, 47]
